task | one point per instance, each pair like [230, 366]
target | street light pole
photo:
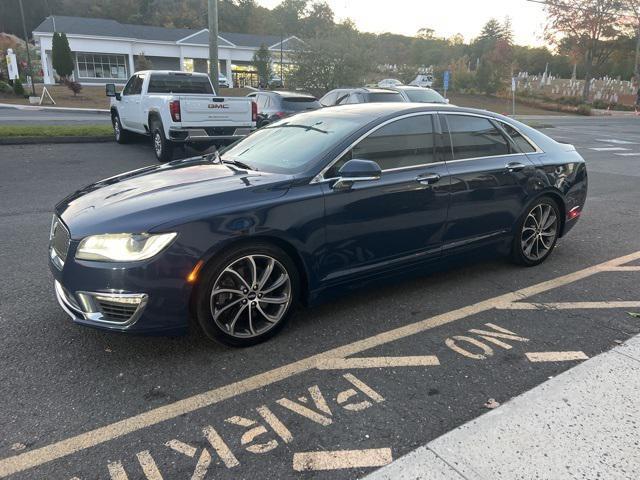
[213, 43]
[26, 41]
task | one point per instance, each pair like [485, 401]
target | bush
[584, 109]
[5, 88]
[75, 87]
[18, 89]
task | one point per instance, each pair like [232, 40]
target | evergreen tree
[61, 56]
[262, 61]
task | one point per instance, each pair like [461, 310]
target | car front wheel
[247, 295]
[537, 233]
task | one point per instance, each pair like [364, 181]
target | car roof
[287, 94]
[411, 87]
[381, 109]
[375, 90]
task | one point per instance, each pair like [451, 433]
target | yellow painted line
[148, 465]
[556, 356]
[68, 446]
[378, 362]
[628, 268]
[339, 459]
[117, 472]
[567, 305]
[181, 447]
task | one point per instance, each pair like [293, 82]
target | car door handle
[515, 166]
[428, 178]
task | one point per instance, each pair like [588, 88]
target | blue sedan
[304, 206]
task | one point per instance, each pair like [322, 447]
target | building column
[44, 60]
[181, 60]
[132, 66]
[229, 75]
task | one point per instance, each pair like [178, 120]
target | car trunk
[199, 109]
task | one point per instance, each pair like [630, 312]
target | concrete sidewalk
[582, 424]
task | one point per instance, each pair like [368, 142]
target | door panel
[399, 218]
[489, 182]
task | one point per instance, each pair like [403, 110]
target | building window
[111, 67]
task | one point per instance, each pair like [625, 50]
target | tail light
[280, 114]
[254, 112]
[174, 108]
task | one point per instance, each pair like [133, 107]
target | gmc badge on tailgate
[218, 105]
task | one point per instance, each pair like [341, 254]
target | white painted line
[629, 154]
[555, 356]
[92, 438]
[378, 362]
[608, 149]
[615, 141]
[567, 305]
[339, 459]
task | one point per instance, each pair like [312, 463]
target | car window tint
[329, 99]
[425, 96]
[136, 88]
[298, 104]
[179, 83]
[129, 86]
[385, 97]
[475, 137]
[523, 145]
[403, 143]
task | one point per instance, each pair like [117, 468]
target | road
[14, 116]
[77, 403]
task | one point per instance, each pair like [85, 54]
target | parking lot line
[69, 446]
[568, 305]
[377, 457]
[555, 356]
[379, 362]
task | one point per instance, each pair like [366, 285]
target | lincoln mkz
[307, 205]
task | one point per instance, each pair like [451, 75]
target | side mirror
[357, 171]
[110, 89]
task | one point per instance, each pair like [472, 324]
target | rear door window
[297, 104]
[385, 97]
[523, 145]
[330, 99]
[475, 137]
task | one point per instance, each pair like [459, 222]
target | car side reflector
[574, 213]
[193, 276]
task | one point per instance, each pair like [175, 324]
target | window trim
[491, 119]
[319, 178]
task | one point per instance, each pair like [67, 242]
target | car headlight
[123, 247]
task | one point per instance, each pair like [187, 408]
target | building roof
[101, 27]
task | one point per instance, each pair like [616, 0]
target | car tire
[162, 147]
[536, 233]
[236, 315]
[121, 135]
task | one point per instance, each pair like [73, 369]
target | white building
[105, 51]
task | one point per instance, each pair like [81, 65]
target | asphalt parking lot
[373, 374]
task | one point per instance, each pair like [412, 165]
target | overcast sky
[446, 17]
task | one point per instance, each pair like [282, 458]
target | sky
[446, 17]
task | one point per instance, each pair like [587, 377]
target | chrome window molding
[319, 178]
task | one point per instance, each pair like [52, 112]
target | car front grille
[60, 239]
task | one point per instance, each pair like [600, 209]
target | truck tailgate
[200, 110]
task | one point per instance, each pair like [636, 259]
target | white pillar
[181, 60]
[47, 80]
[229, 74]
[132, 67]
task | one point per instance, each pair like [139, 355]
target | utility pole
[26, 41]
[213, 43]
[281, 74]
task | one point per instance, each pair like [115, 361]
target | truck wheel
[162, 147]
[121, 135]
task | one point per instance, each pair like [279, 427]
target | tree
[289, 13]
[143, 63]
[61, 57]
[631, 21]
[590, 25]
[319, 20]
[262, 61]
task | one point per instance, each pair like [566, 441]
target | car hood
[166, 195]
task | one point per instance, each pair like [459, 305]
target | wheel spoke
[238, 276]
[254, 271]
[278, 283]
[551, 220]
[227, 290]
[529, 246]
[544, 215]
[253, 332]
[275, 300]
[267, 317]
[266, 274]
[225, 308]
[232, 325]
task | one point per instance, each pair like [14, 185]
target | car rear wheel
[537, 233]
[162, 147]
[121, 135]
[247, 295]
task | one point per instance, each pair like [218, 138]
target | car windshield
[424, 96]
[291, 145]
[297, 104]
[385, 97]
[179, 83]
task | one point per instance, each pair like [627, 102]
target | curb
[45, 140]
[53, 109]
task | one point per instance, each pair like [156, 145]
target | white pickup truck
[178, 108]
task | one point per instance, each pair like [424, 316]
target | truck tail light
[280, 114]
[174, 108]
[254, 112]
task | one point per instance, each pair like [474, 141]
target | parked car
[344, 96]
[389, 82]
[273, 106]
[178, 108]
[423, 80]
[222, 81]
[275, 81]
[315, 203]
[420, 94]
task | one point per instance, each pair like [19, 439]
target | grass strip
[55, 130]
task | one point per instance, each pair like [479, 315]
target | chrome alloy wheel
[250, 296]
[539, 232]
[116, 128]
[157, 143]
